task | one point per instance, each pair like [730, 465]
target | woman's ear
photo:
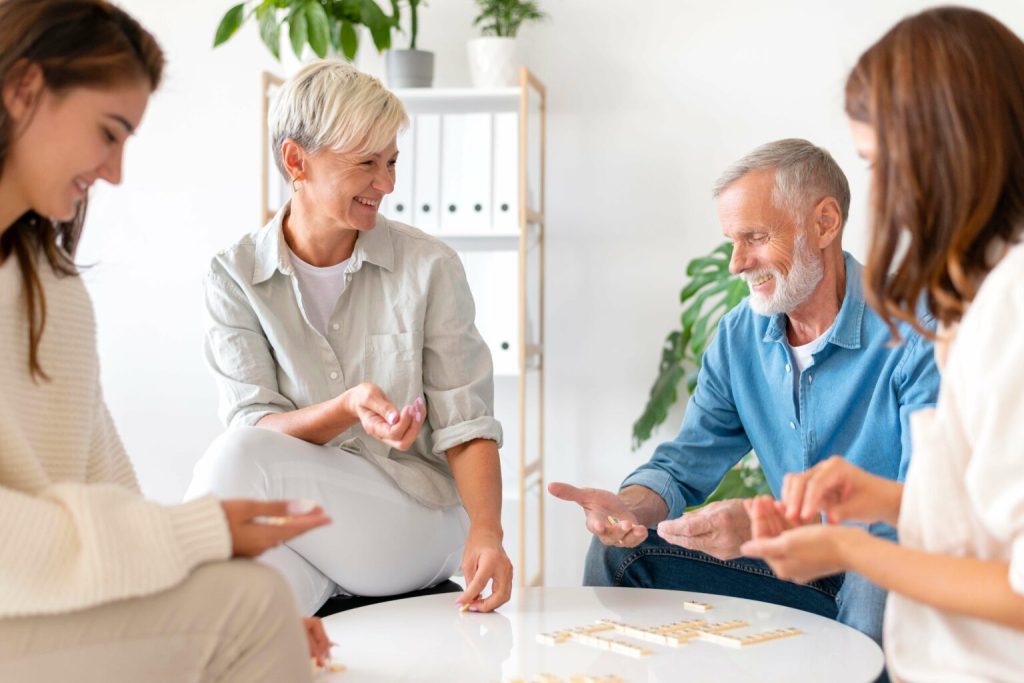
[22, 90]
[293, 157]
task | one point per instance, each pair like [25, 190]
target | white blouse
[964, 493]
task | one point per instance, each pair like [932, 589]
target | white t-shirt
[803, 358]
[320, 289]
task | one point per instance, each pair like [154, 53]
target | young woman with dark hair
[96, 582]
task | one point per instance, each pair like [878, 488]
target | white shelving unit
[471, 172]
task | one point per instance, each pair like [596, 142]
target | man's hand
[484, 560]
[808, 552]
[718, 529]
[381, 419]
[608, 516]
[843, 492]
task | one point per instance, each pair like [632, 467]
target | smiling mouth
[760, 279]
[367, 202]
[82, 186]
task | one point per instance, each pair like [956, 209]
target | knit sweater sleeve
[74, 545]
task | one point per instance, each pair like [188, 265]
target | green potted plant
[323, 25]
[710, 293]
[494, 57]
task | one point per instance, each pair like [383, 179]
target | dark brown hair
[76, 43]
[944, 92]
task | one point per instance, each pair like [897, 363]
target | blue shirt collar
[847, 328]
[373, 246]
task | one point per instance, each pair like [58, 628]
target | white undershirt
[320, 288]
[803, 358]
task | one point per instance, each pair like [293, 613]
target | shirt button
[788, 368]
[335, 326]
[810, 379]
[792, 425]
[334, 375]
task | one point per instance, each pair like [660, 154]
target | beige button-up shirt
[404, 322]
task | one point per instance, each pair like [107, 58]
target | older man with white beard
[799, 371]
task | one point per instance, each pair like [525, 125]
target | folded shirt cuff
[484, 427]
[661, 483]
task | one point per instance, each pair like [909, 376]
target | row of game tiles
[674, 635]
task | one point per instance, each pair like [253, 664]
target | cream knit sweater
[74, 529]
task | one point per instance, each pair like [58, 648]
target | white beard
[790, 290]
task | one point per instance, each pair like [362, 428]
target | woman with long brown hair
[937, 107]
[96, 582]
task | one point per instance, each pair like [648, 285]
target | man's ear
[827, 222]
[22, 90]
[293, 157]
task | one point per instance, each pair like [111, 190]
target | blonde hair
[331, 104]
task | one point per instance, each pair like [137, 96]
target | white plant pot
[410, 68]
[494, 62]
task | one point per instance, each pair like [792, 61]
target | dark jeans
[850, 599]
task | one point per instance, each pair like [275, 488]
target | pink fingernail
[392, 417]
[419, 416]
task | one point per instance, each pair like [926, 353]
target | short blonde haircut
[331, 104]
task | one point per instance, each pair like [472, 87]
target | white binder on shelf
[493, 278]
[504, 216]
[466, 174]
[398, 205]
[427, 170]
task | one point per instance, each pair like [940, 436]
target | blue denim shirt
[854, 400]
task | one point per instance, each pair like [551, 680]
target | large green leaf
[349, 40]
[270, 32]
[319, 31]
[229, 24]
[298, 30]
[707, 296]
[380, 24]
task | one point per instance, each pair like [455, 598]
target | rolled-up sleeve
[457, 370]
[239, 354]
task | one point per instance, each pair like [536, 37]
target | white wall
[648, 101]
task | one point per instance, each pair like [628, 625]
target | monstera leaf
[711, 293]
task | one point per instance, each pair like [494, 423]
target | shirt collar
[846, 330]
[373, 246]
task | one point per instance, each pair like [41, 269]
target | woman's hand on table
[484, 560]
[257, 526]
[381, 419]
[319, 643]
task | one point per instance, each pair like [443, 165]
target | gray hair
[330, 103]
[804, 175]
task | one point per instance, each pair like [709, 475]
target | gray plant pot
[410, 68]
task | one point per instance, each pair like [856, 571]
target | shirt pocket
[394, 362]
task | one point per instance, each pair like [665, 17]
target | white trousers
[380, 542]
[229, 622]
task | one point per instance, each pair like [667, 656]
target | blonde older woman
[349, 366]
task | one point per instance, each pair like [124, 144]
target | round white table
[428, 639]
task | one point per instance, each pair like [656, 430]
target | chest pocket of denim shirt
[394, 362]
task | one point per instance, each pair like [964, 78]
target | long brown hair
[944, 92]
[76, 43]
